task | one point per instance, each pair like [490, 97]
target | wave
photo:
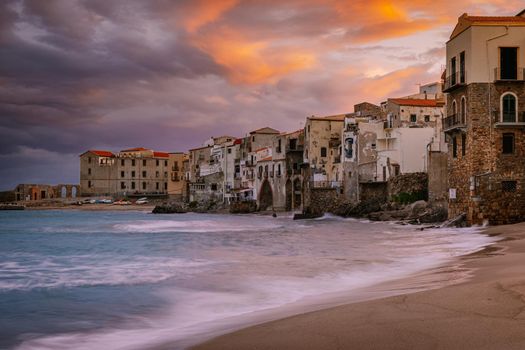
[92, 270]
[197, 226]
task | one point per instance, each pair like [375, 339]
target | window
[214, 187]
[122, 185]
[121, 174]
[143, 185]
[278, 169]
[229, 151]
[89, 184]
[508, 108]
[413, 118]
[157, 174]
[454, 108]
[157, 162]
[454, 147]
[165, 163]
[293, 144]
[165, 186]
[462, 67]
[156, 186]
[165, 174]
[463, 144]
[323, 151]
[89, 171]
[453, 71]
[122, 162]
[133, 185]
[508, 186]
[133, 173]
[144, 174]
[133, 162]
[144, 163]
[463, 110]
[253, 138]
[427, 118]
[507, 143]
[89, 160]
[508, 63]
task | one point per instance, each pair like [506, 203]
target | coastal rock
[244, 207]
[171, 208]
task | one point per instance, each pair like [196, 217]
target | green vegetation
[406, 198]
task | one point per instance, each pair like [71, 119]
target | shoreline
[485, 311]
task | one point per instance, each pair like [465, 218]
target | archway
[297, 192]
[74, 192]
[63, 192]
[289, 194]
[265, 196]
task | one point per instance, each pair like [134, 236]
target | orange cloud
[203, 12]
[252, 62]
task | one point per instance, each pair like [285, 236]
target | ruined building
[485, 122]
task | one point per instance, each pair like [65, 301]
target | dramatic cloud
[80, 74]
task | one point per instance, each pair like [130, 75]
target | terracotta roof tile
[416, 102]
[136, 149]
[160, 154]
[102, 153]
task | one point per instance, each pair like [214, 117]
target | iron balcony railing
[453, 121]
[455, 80]
[325, 184]
[509, 75]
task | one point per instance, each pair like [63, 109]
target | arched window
[509, 112]
[454, 108]
[463, 110]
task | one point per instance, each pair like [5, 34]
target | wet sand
[485, 312]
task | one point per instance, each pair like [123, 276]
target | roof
[265, 130]
[198, 148]
[418, 102]
[160, 154]
[237, 142]
[100, 153]
[330, 118]
[292, 132]
[465, 21]
[136, 149]
[265, 159]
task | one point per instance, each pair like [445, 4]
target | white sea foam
[191, 226]
[87, 270]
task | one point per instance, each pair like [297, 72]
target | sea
[73, 279]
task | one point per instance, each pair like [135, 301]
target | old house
[323, 150]
[485, 118]
[130, 172]
[177, 180]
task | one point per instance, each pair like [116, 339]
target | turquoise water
[133, 280]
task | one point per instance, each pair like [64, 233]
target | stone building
[485, 118]
[130, 172]
[177, 188]
[38, 192]
[323, 150]
[279, 182]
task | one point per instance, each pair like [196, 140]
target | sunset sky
[162, 74]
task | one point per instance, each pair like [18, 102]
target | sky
[168, 74]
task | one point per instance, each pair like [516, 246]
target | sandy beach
[485, 312]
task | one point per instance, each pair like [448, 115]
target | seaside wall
[408, 187]
[437, 177]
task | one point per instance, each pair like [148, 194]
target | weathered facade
[130, 172]
[485, 123]
[37, 192]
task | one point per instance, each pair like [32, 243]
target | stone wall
[408, 187]
[437, 177]
[322, 200]
[373, 191]
[477, 174]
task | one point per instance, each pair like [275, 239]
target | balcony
[508, 122]
[175, 168]
[453, 122]
[506, 75]
[455, 81]
[325, 184]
